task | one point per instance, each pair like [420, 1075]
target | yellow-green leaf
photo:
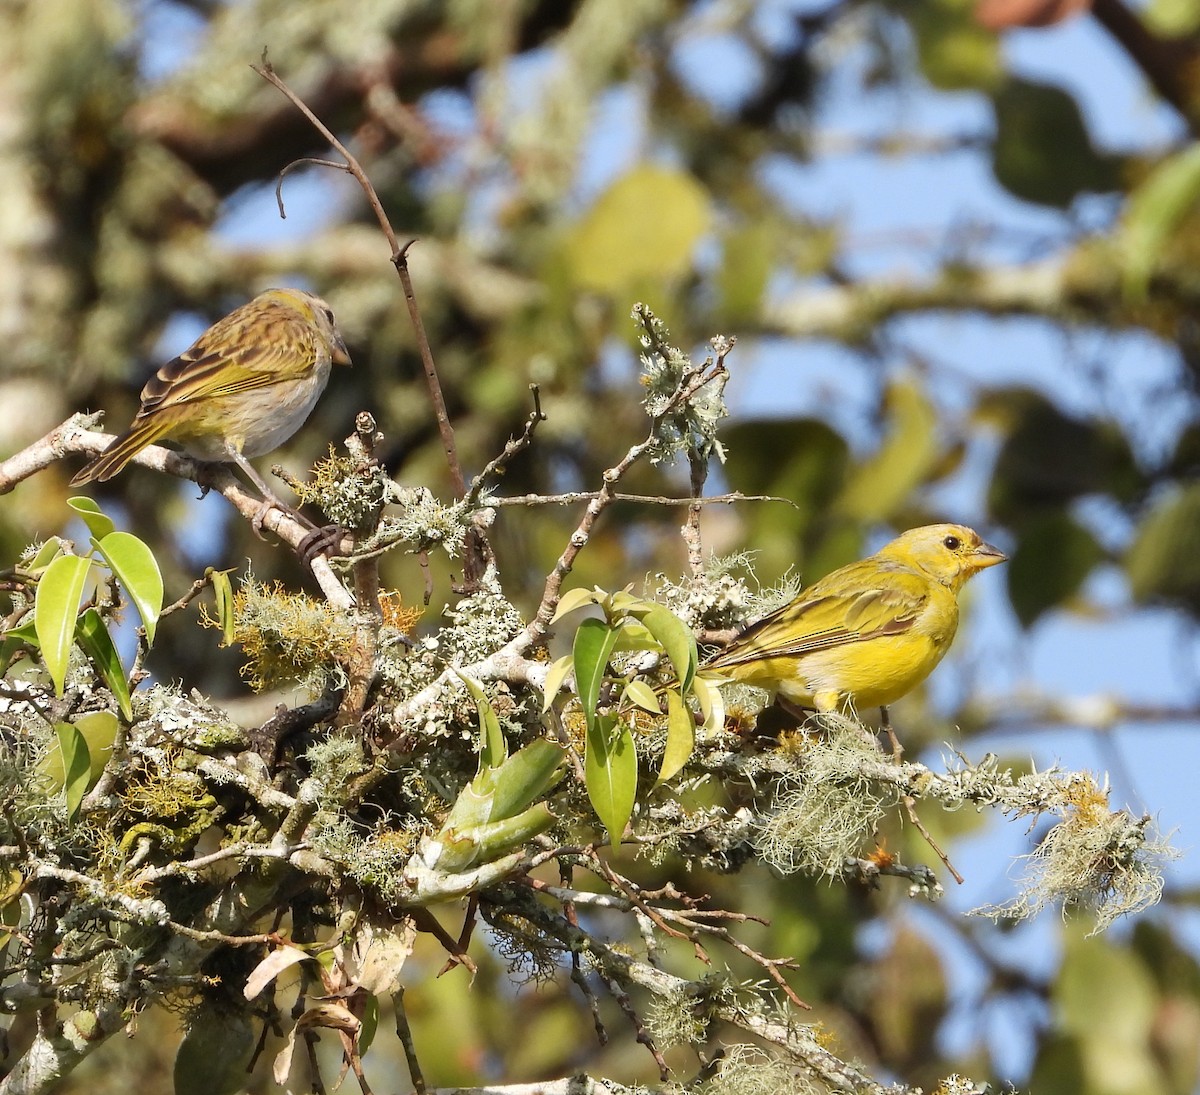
[576, 598]
[137, 570]
[56, 611]
[223, 596]
[76, 763]
[675, 638]
[594, 642]
[98, 524]
[681, 736]
[610, 772]
[555, 675]
[1154, 211]
[492, 746]
[98, 730]
[644, 228]
[712, 704]
[881, 484]
[640, 694]
[95, 641]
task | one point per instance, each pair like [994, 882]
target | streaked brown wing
[218, 366]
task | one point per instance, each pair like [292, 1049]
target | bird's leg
[270, 502]
[897, 748]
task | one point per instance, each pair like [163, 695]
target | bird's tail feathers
[121, 451]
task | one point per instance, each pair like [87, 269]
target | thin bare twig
[399, 258]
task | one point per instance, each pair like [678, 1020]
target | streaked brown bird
[240, 390]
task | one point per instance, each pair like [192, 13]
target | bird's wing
[213, 368]
[866, 601]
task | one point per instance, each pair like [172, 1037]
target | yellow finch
[868, 633]
[242, 389]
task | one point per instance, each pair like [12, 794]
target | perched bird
[242, 389]
[868, 633]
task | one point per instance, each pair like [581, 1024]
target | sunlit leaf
[76, 762]
[492, 746]
[223, 597]
[97, 644]
[676, 639]
[55, 614]
[575, 598]
[611, 771]
[137, 570]
[681, 736]
[593, 645]
[641, 695]
[99, 730]
[910, 450]
[1154, 211]
[712, 704]
[98, 524]
[555, 676]
[644, 228]
[525, 777]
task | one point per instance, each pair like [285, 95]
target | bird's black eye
[952, 542]
[329, 314]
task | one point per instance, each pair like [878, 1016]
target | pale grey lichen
[682, 425]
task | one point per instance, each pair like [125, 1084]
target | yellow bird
[869, 632]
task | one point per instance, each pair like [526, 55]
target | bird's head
[949, 553]
[320, 315]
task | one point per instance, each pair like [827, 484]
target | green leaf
[576, 598]
[525, 777]
[47, 553]
[98, 730]
[555, 675]
[16, 639]
[593, 645]
[1153, 213]
[1163, 563]
[492, 747]
[676, 639]
[610, 771]
[1054, 556]
[223, 597]
[681, 736]
[76, 762]
[712, 705]
[644, 228]
[954, 51]
[640, 694]
[137, 570]
[1043, 152]
[55, 613]
[370, 1024]
[97, 644]
[881, 484]
[98, 523]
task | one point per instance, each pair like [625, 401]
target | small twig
[404, 1033]
[602, 500]
[643, 1035]
[910, 806]
[497, 467]
[475, 553]
[197, 587]
[644, 499]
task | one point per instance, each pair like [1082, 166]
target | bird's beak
[987, 556]
[340, 355]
